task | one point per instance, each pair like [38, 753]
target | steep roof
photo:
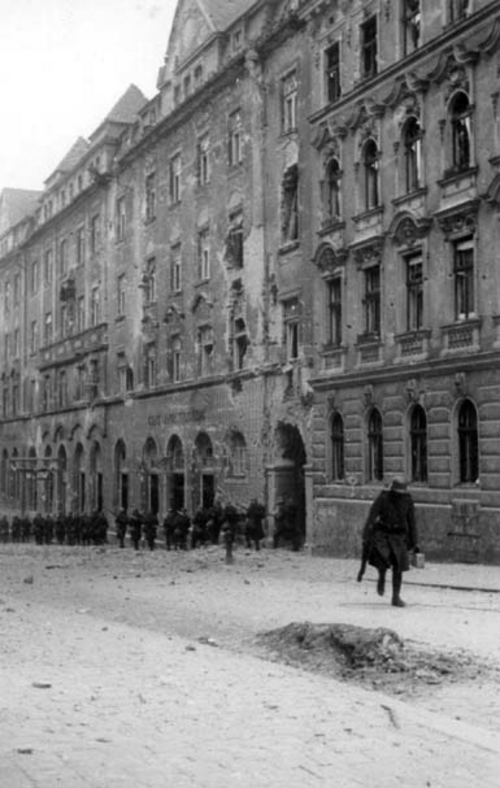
[223, 13]
[128, 106]
[73, 156]
[16, 205]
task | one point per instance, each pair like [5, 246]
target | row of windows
[462, 282]
[411, 30]
[467, 470]
[411, 171]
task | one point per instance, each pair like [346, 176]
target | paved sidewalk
[465, 577]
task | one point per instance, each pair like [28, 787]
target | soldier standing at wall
[16, 529]
[150, 528]
[4, 529]
[254, 530]
[121, 521]
[26, 528]
[169, 528]
[135, 528]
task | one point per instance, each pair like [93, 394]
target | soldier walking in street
[389, 533]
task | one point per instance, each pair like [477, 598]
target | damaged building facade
[278, 276]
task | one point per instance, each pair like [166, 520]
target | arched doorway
[176, 474]
[96, 477]
[62, 479]
[204, 486]
[288, 470]
[150, 478]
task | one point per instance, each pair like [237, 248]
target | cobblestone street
[138, 669]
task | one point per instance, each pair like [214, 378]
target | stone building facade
[278, 276]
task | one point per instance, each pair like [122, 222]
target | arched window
[121, 476]
[370, 170]
[237, 454]
[337, 447]
[150, 478]
[418, 440]
[96, 477]
[332, 190]
[460, 113]
[412, 141]
[79, 480]
[468, 444]
[375, 447]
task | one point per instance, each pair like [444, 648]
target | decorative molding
[369, 251]
[406, 229]
[328, 260]
[459, 220]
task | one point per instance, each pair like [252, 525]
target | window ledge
[378, 210]
[453, 174]
[287, 247]
[331, 225]
[420, 192]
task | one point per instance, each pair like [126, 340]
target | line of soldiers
[205, 527]
[70, 529]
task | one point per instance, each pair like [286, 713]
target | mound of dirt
[373, 657]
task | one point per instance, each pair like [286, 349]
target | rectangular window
[414, 292]
[464, 279]
[120, 295]
[203, 255]
[335, 311]
[176, 359]
[371, 302]
[234, 244]
[149, 282]
[240, 343]
[62, 389]
[95, 311]
[63, 320]
[80, 246]
[6, 346]
[47, 329]
[80, 314]
[150, 368]
[175, 179]
[176, 269]
[35, 277]
[121, 219]
[34, 336]
[6, 297]
[289, 89]
[48, 267]
[15, 343]
[235, 142]
[63, 257]
[369, 47]
[17, 289]
[412, 19]
[290, 205]
[291, 315]
[46, 393]
[206, 348]
[332, 73]
[151, 197]
[95, 233]
[203, 160]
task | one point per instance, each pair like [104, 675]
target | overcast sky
[63, 64]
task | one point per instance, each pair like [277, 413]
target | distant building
[276, 277]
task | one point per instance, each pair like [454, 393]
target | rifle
[365, 555]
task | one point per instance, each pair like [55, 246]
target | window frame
[369, 47]
[332, 71]
[414, 291]
[464, 265]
